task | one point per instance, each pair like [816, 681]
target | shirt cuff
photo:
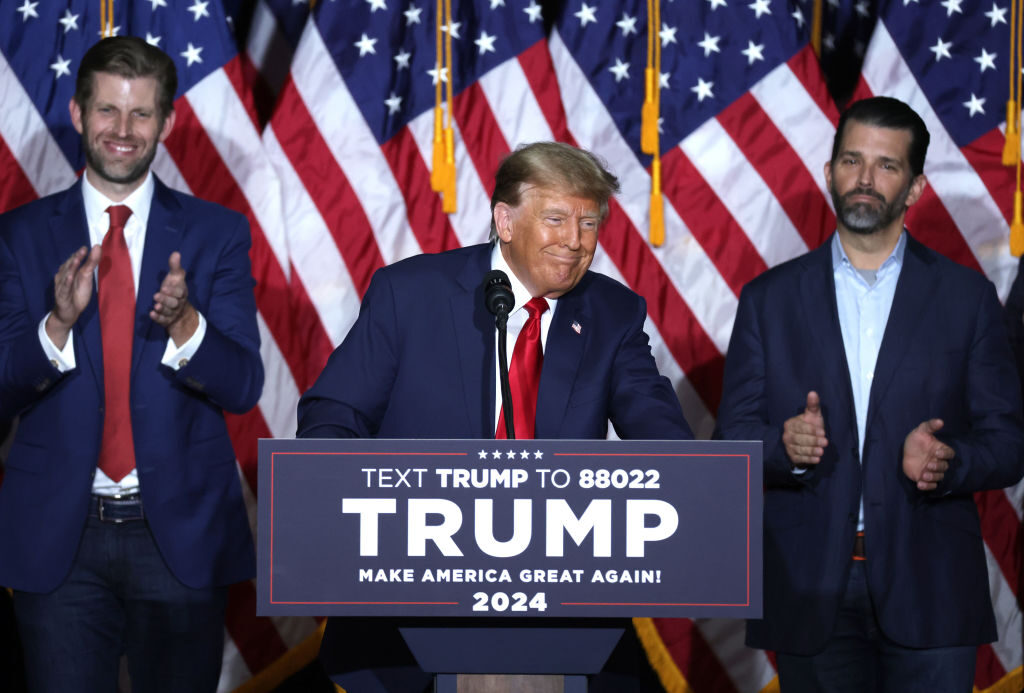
[178, 357]
[61, 359]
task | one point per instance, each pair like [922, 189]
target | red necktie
[524, 374]
[117, 323]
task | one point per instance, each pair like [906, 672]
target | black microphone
[499, 299]
[498, 293]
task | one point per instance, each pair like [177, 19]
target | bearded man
[879, 376]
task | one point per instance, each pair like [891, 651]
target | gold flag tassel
[816, 28]
[656, 232]
[1011, 147]
[437, 169]
[106, 18]
[1017, 225]
[448, 195]
[649, 111]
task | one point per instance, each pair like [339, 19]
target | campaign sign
[510, 528]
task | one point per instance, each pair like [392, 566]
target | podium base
[495, 683]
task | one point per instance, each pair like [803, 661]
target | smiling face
[548, 239]
[871, 181]
[121, 126]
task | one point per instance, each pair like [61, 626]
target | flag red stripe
[201, 165]
[327, 186]
[781, 168]
[988, 670]
[711, 224]
[239, 72]
[1001, 529]
[15, 187]
[540, 74]
[985, 157]
[694, 657]
[805, 66]
[487, 147]
[429, 223]
[931, 224]
[309, 333]
[256, 637]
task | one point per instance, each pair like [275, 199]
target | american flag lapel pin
[576, 327]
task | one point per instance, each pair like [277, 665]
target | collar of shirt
[140, 202]
[893, 263]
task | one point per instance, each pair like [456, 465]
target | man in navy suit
[121, 515]
[420, 362]
[879, 376]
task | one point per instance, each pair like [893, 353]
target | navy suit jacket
[944, 354]
[186, 467]
[419, 362]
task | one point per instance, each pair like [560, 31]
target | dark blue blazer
[419, 362]
[187, 473]
[944, 354]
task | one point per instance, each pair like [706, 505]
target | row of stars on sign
[511, 454]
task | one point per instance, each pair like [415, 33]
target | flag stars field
[28, 9]
[69, 21]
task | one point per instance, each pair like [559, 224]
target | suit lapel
[563, 353]
[915, 286]
[69, 230]
[475, 344]
[163, 236]
[821, 321]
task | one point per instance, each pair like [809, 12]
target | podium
[508, 557]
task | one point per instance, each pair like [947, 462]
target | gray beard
[863, 219]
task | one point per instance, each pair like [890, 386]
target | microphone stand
[501, 320]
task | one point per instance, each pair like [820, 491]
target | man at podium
[420, 360]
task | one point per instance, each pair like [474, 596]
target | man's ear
[167, 127]
[917, 189]
[503, 218]
[76, 114]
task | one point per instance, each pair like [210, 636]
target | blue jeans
[860, 659]
[120, 598]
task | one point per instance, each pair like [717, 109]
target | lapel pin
[576, 327]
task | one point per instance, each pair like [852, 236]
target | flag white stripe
[749, 670]
[280, 395]
[1008, 617]
[28, 138]
[312, 250]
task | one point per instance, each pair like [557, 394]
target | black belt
[117, 509]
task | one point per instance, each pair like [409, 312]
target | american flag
[337, 185]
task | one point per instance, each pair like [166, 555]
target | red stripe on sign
[243, 77]
[694, 657]
[1000, 528]
[429, 223]
[15, 187]
[987, 670]
[807, 69]
[487, 146]
[711, 224]
[245, 431]
[256, 637]
[540, 74]
[327, 186]
[861, 91]
[985, 155]
[929, 222]
[781, 168]
[690, 345]
[203, 169]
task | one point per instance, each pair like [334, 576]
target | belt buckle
[101, 502]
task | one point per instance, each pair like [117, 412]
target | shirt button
[869, 376]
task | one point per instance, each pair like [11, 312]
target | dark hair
[129, 57]
[552, 165]
[887, 112]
